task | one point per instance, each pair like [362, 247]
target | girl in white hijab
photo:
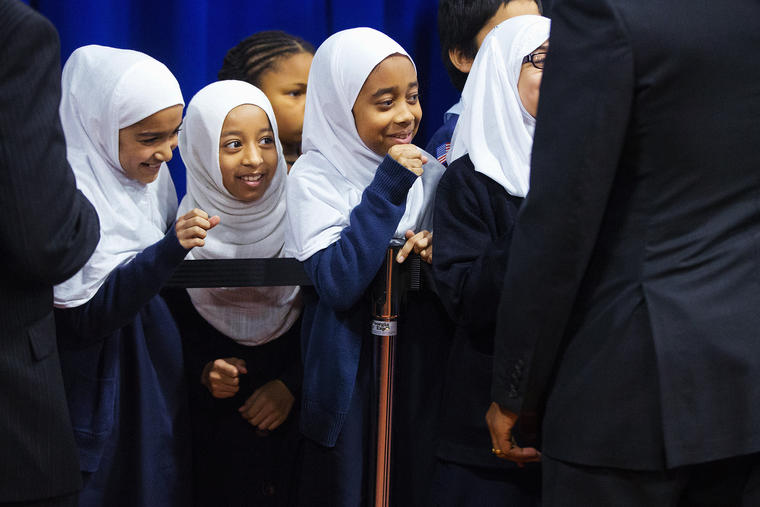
[120, 350]
[355, 190]
[475, 211]
[244, 349]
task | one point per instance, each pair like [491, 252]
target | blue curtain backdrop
[192, 36]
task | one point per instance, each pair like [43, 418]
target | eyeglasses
[537, 59]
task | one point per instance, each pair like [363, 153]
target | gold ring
[495, 451]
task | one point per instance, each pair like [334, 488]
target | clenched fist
[409, 156]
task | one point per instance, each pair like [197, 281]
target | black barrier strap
[239, 273]
[273, 273]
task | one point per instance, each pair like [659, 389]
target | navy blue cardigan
[474, 219]
[121, 359]
[335, 321]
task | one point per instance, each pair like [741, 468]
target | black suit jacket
[47, 233]
[630, 315]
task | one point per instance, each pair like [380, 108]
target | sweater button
[268, 489]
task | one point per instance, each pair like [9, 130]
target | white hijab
[104, 90]
[327, 181]
[248, 315]
[494, 127]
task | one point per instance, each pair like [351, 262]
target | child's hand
[221, 376]
[409, 156]
[268, 406]
[421, 243]
[192, 226]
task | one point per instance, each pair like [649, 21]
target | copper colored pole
[387, 344]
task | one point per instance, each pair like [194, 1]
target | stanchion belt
[239, 273]
[268, 273]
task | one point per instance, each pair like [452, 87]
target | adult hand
[409, 156]
[500, 423]
[268, 406]
[192, 226]
[221, 377]
[420, 243]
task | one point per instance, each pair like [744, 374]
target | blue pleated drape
[192, 36]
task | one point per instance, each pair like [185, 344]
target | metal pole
[384, 329]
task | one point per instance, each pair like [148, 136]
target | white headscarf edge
[499, 140]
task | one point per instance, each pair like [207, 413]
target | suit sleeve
[583, 116]
[49, 229]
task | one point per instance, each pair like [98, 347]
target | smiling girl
[278, 63]
[358, 187]
[120, 349]
[241, 343]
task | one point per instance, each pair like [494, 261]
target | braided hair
[256, 54]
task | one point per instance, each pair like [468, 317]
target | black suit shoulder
[50, 228]
[13, 12]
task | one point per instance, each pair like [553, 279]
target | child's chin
[250, 196]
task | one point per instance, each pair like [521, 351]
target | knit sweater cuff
[393, 180]
[170, 252]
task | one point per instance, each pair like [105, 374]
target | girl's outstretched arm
[129, 287]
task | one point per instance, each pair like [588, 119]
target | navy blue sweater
[474, 218]
[121, 358]
[338, 317]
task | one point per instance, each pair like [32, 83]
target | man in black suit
[48, 231]
[629, 325]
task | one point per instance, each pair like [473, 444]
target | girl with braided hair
[278, 63]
